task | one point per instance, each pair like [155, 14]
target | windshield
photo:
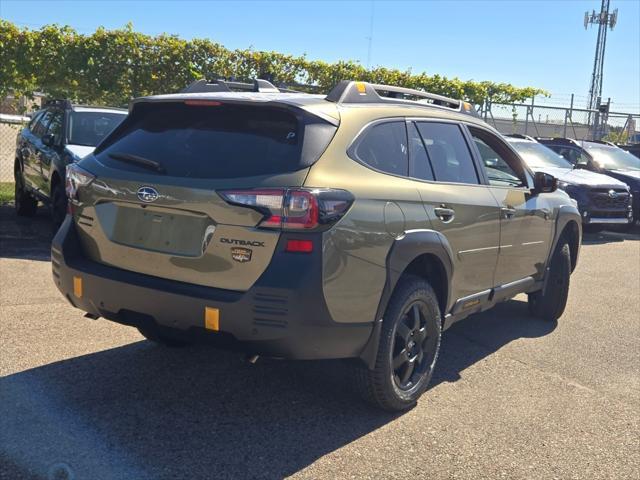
[537, 155]
[90, 128]
[612, 158]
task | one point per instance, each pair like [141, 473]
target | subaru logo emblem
[613, 194]
[148, 194]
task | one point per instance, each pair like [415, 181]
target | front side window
[499, 162]
[34, 119]
[384, 147]
[55, 127]
[448, 153]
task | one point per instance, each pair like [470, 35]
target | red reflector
[203, 103]
[303, 246]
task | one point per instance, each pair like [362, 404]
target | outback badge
[240, 254]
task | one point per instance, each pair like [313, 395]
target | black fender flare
[404, 249]
[566, 214]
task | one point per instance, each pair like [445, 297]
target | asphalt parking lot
[512, 397]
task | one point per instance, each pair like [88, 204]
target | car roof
[88, 108]
[319, 105]
[389, 100]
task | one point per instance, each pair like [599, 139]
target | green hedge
[112, 66]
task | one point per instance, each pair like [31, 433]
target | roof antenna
[370, 37]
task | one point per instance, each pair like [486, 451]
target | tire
[163, 340]
[58, 206]
[404, 365]
[551, 304]
[25, 204]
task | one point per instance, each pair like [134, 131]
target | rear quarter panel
[355, 249]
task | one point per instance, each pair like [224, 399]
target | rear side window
[214, 141]
[384, 147]
[420, 166]
[448, 152]
[570, 154]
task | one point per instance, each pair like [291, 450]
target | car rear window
[209, 141]
[90, 128]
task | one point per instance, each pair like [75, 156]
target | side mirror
[48, 139]
[544, 183]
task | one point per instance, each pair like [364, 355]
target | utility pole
[605, 21]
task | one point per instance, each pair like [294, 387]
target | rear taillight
[76, 177]
[294, 208]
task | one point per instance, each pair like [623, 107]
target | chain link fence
[560, 121]
[10, 125]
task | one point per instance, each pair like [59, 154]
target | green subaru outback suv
[357, 225]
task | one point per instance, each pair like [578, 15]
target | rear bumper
[284, 314]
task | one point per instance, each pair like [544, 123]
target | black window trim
[45, 127]
[58, 111]
[353, 146]
[529, 175]
[482, 179]
[35, 119]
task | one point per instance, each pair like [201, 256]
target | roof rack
[58, 102]
[222, 85]
[349, 91]
[602, 142]
[561, 140]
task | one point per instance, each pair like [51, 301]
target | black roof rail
[601, 142]
[560, 140]
[349, 91]
[222, 85]
[519, 135]
[58, 102]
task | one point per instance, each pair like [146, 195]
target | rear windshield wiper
[140, 161]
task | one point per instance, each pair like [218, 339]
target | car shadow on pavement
[478, 336]
[610, 237]
[26, 238]
[144, 411]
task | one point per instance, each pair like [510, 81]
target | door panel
[459, 207]
[473, 233]
[525, 234]
[48, 154]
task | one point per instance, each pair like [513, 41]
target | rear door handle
[445, 214]
[508, 212]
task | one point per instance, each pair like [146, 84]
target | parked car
[59, 134]
[602, 200]
[357, 225]
[601, 157]
[633, 149]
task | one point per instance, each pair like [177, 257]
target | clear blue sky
[527, 43]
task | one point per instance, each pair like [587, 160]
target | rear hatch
[155, 202]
